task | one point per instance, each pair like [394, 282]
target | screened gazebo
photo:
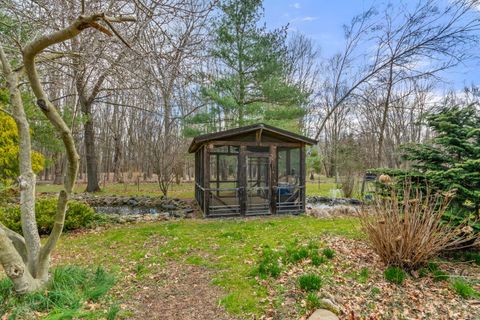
[252, 170]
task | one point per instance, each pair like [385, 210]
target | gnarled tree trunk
[25, 260]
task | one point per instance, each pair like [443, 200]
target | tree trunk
[383, 125]
[90, 153]
[58, 169]
[21, 269]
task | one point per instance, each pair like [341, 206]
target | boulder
[330, 305]
[323, 314]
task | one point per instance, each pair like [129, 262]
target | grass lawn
[184, 190]
[230, 249]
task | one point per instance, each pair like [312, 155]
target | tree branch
[7, 113]
[31, 50]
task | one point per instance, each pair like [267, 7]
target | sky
[322, 21]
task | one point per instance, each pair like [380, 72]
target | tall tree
[251, 84]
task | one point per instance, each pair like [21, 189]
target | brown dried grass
[408, 230]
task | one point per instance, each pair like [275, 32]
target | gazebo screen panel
[224, 189]
[290, 181]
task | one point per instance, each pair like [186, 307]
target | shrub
[406, 228]
[464, 289]
[329, 253]
[312, 301]
[78, 215]
[309, 282]
[395, 275]
[348, 185]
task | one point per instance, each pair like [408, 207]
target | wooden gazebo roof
[279, 133]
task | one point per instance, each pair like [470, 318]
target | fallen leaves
[375, 298]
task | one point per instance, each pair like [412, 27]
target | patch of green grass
[295, 252]
[440, 275]
[432, 266]
[328, 253]
[184, 190]
[467, 255]
[395, 275]
[231, 248]
[310, 282]
[472, 256]
[464, 289]
[312, 301]
[317, 259]
[434, 270]
[321, 189]
[423, 272]
[269, 265]
[64, 297]
[375, 291]
[113, 312]
[363, 275]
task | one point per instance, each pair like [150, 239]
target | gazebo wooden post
[242, 179]
[206, 179]
[303, 173]
[273, 179]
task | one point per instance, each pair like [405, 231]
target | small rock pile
[333, 201]
[161, 202]
[324, 207]
[123, 209]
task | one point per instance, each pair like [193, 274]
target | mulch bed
[417, 298]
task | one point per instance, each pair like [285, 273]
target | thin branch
[7, 113]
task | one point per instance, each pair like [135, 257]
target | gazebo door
[258, 184]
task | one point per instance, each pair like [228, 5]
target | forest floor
[206, 269]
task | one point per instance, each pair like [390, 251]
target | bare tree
[25, 260]
[441, 34]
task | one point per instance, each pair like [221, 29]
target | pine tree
[451, 160]
[251, 85]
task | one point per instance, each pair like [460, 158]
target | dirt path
[182, 292]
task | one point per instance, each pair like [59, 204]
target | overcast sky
[322, 20]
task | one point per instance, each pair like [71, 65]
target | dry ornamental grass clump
[408, 229]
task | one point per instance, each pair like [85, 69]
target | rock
[163, 216]
[323, 314]
[355, 202]
[169, 207]
[132, 202]
[330, 305]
